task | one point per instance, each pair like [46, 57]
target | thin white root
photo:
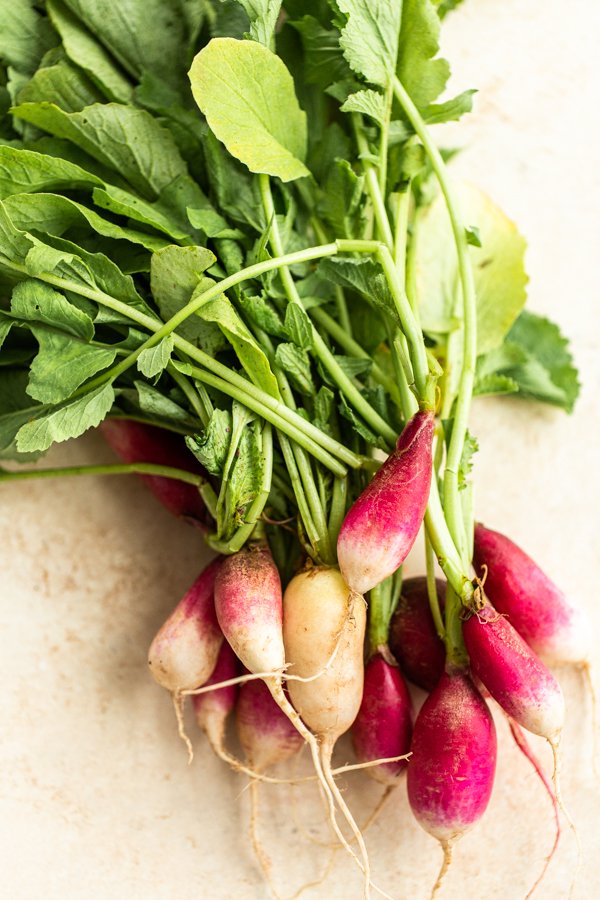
[326, 751]
[379, 807]
[178, 702]
[586, 673]
[262, 858]
[555, 745]
[318, 881]
[523, 745]
[284, 704]
[447, 850]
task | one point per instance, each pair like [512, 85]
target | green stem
[352, 348]
[456, 654]
[373, 188]
[321, 350]
[380, 611]
[192, 396]
[337, 508]
[257, 506]
[340, 298]
[383, 140]
[106, 469]
[278, 415]
[452, 502]
[432, 594]
[312, 531]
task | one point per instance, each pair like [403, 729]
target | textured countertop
[97, 800]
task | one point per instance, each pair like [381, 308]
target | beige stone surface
[96, 799]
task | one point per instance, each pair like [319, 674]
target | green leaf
[245, 477]
[53, 214]
[494, 385]
[263, 18]
[296, 364]
[470, 448]
[144, 34]
[67, 421]
[175, 273]
[299, 327]
[498, 268]
[234, 188]
[247, 96]
[124, 203]
[263, 314]
[370, 37]
[34, 301]
[422, 76]
[323, 406]
[158, 406]
[16, 408]
[153, 360]
[323, 60]
[473, 235]
[548, 372]
[88, 53]
[68, 86]
[211, 446]
[125, 139]
[252, 357]
[363, 276]
[341, 203]
[62, 365]
[368, 103]
[25, 35]
[451, 110]
[359, 426]
[25, 171]
[212, 223]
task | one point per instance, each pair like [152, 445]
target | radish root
[178, 701]
[259, 851]
[523, 745]
[555, 745]
[447, 850]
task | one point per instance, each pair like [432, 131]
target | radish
[515, 677]
[383, 726]
[137, 442]
[382, 524]
[266, 733]
[451, 770]
[267, 737]
[555, 629]
[184, 652]
[413, 638]
[324, 629]
[213, 708]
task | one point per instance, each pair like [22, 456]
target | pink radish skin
[383, 726]
[135, 442]
[184, 652]
[451, 771]
[413, 639]
[540, 612]
[515, 677]
[249, 606]
[213, 708]
[382, 524]
[265, 732]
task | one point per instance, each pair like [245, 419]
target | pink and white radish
[324, 629]
[383, 726]
[382, 524]
[413, 639]
[453, 762]
[136, 442]
[184, 651]
[542, 614]
[267, 737]
[515, 677]
[213, 708]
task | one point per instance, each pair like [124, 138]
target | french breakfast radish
[451, 770]
[324, 626]
[137, 442]
[542, 614]
[382, 524]
[383, 726]
[413, 639]
[184, 652]
[213, 708]
[515, 677]
[265, 732]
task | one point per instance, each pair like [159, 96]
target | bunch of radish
[296, 668]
